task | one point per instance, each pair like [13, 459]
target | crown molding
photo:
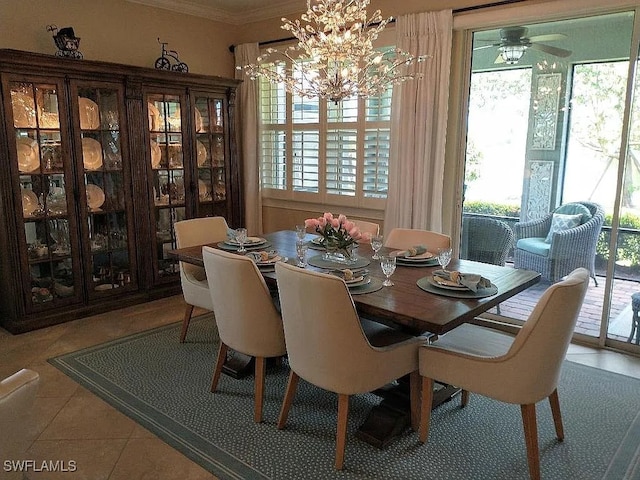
[233, 16]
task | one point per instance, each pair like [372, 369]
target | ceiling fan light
[511, 54]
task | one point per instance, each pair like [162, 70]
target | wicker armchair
[486, 240]
[568, 249]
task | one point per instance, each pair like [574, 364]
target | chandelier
[335, 57]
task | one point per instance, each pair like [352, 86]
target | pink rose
[328, 216]
[311, 223]
[322, 222]
[342, 218]
[355, 233]
[335, 223]
[348, 225]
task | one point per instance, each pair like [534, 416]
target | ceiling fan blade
[482, 47]
[550, 37]
[558, 52]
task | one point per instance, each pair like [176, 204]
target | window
[315, 150]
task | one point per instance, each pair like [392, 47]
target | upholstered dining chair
[403, 238]
[17, 393]
[367, 229]
[189, 233]
[522, 372]
[329, 346]
[248, 321]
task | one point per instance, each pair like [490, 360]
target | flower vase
[337, 254]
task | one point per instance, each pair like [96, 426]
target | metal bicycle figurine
[164, 62]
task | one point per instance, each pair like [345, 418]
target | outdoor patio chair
[522, 370]
[189, 233]
[555, 247]
[486, 240]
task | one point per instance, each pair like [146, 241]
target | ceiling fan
[514, 42]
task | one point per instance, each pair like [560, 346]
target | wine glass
[301, 252]
[301, 233]
[376, 244]
[388, 265]
[241, 237]
[444, 257]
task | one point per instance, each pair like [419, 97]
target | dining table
[413, 305]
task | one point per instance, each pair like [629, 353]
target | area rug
[164, 386]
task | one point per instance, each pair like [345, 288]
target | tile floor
[73, 424]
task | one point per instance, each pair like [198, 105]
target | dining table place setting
[239, 242]
[416, 256]
[358, 281]
[457, 284]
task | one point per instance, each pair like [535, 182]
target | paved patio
[520, 306]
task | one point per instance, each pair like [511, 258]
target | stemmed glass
[301, 253]
[444, 257]
[376, 244]
[241, 237]
[301, 233]
[388, 265]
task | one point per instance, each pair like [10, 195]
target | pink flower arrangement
[338, 233]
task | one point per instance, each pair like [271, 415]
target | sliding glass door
[551, 120]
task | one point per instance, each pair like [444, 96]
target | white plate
[199, 124]
[91, 153]
[24, 111]
[88, 110]
[249, 241]
[154, 117]
[447, 286]
[156, 154]
[28, 160]
[95, 196]
[203, 190]
[365, 281]
[202, 153]
[29, 202]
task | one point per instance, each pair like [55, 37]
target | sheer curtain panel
[248, 108]
[418, 124]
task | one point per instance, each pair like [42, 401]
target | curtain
[418, 124]
[249, 125]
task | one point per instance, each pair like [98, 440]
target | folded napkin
[262, 256]
[472, 281]
[411, 251]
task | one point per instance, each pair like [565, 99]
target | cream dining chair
[403, 238]
[329, 346]
[522, 372]
[248, 321]
[17, 393]
[189, 233]
[367, 229]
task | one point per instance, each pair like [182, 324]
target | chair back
[403, 238]
[486, 240]
[199, 231]
[367, 229]
[538, 350]
[326, 344]
[246, 316]
[17, 393]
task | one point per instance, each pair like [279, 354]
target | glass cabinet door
[49, 244]
[211, 156]
[168, 178]
[103, 169]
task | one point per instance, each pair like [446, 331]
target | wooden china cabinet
[100, 160]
